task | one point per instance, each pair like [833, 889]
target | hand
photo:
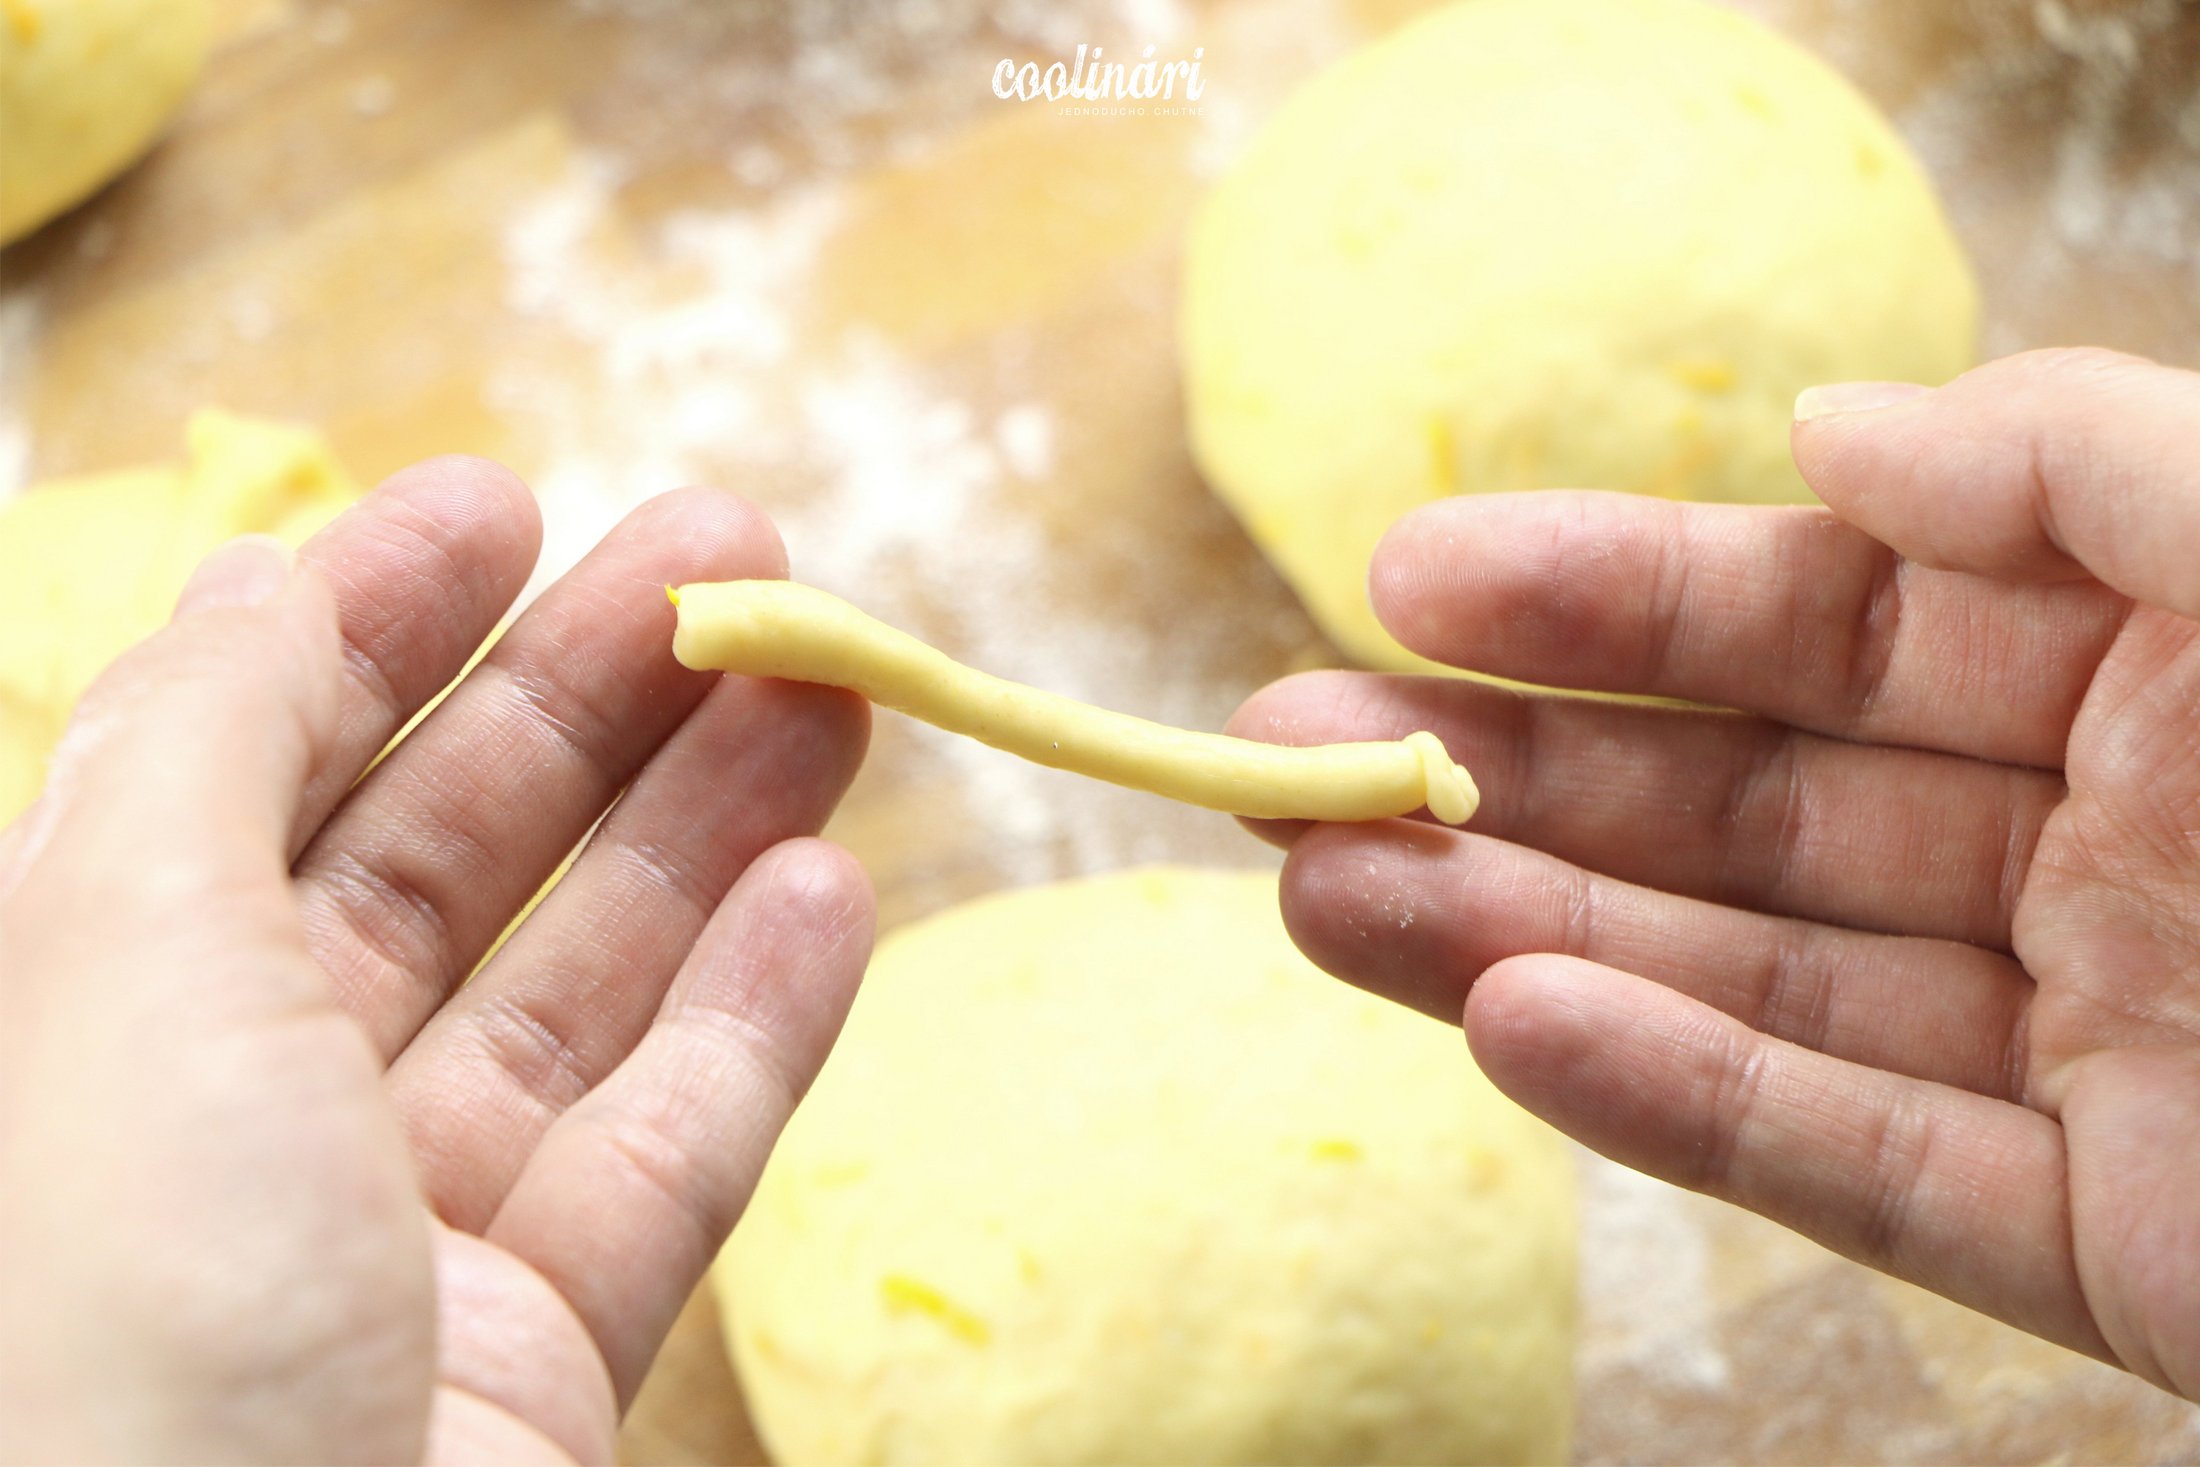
[273, 1184]
[1906, 955]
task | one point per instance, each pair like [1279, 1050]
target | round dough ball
[1548, 243]
[1106, 1172]
[85, 87]
[91, 565]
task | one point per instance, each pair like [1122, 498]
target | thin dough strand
[785, 630]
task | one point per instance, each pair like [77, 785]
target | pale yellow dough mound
[89, 566]
[1548, 243]
[85, 87]
[1107, 1173]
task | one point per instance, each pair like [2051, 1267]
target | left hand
[273, 1184]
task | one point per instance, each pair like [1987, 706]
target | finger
[575, 988]
[634, 1190]
[465, 1430]
[422, 569]
[518, 1378]
[1964, 1195]
[1781, 611]
[2051, 465]
[174, 789]
[1726, 808]
[415, 876]
[1418, 913]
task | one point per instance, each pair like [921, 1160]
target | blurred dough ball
[1548, 243]
[1107, 1173]
[90, 565]
[85, 87]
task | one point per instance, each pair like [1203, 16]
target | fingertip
[820, 901]
[1511, 583]
[1418, 570]
[2044, 466]
[849, 713]
[1525, 1016]
[1851, 399]
[788, 951]
[476, 506]
[1264, 715]
[317, 624]
[1323, 888]
[612, 603]
[254, 628]
[244, 572]
[796, 746]
[821, 877]
[1303, 708]
[199, 740]
[1565, 1039]
[719, 535]
[475, 488]
[1839, 430]
[1365, 903]
[1282, 834]
[1497, 1009]
[419, 572]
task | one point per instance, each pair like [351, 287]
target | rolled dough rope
[781, 629]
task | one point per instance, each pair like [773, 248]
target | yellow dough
[85, 87]
[89, 566]
[782, 629]
[1548, 243]
[1107, 1173]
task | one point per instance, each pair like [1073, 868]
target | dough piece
[1520, 244]
[782, 629]
[1107, 1173]
[89, 566]
[85, 87]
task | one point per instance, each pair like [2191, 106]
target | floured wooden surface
[801, 250]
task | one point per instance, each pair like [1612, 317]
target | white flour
[18, 331]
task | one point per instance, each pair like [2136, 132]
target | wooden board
[800, 250]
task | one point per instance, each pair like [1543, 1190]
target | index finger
[1785, 612]
[2051, 465]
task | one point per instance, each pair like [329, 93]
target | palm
[2109, 926]
[2107, 923]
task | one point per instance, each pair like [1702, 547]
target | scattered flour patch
[1025, 437]
[686, 335]
[19, 314]
[1646, 1279]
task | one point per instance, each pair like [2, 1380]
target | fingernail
[247, 571]
[1853, 397]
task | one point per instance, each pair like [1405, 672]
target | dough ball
[85, 87]
[1107, 1173]
[89, 566]
[1548, 243]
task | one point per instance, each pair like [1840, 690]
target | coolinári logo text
[1091, 77]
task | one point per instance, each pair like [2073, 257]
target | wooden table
[800, 249]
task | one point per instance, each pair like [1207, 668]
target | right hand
[1907, 956]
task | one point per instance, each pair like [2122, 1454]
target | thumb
[179, 775]
[2050, 465]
